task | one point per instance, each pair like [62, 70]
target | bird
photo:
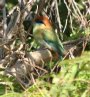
[44, 34]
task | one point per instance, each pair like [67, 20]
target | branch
[20, 63]
[20, 66]
[4, 20]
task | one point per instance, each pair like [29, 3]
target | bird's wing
[53, 41]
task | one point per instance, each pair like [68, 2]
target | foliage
[73, 80]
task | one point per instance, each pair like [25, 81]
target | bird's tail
[58, 47]
[61, 50]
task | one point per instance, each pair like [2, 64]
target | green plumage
[46, 36]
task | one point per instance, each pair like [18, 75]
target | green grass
[72, 81]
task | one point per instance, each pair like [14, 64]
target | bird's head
[42, 20]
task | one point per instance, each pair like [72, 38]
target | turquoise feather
[46, 36]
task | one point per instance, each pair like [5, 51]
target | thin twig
[4, 20]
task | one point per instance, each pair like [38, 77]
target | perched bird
[45, 35]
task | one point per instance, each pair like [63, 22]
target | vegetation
[21, 77]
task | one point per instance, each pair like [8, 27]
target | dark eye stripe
[39, 21]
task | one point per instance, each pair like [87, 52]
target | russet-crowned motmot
[45, 35]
